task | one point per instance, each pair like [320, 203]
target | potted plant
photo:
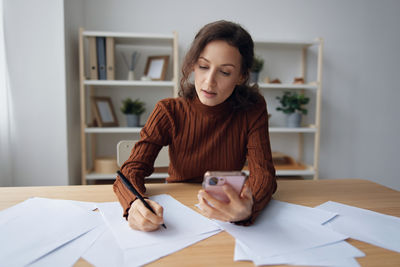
[132, 110]
[292, 105]
[258, 64]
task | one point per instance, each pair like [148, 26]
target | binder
[93, 58]
[110, 58]
[101, 57]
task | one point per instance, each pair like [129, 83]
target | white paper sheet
[68, 254]
[38, 226]
[365, 225]
[320, 256]
[284, 228]
[180, 220]
[106, 252]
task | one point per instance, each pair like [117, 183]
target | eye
[203, 67]
[225, 73]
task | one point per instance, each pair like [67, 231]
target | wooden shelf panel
[310, 129]
[134, 38]
[138, 129]
[288, 42]
[113, 129]
[309, 171]
[288, 86]
[129, 83]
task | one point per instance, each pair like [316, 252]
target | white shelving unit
[89, 88]
[297, 50]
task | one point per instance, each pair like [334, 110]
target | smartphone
[214, 180]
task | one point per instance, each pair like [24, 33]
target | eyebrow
[226, 64]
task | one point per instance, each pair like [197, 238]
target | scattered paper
[327, 255]
[68, 254]
[365, 225]
[38, 226]
[283, 228]
[180, 220]
[106, 253]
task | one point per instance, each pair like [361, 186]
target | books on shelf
[101, 58]
[93, 58]
[110, 58]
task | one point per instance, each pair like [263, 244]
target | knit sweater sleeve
[155, 134]
[262, 178]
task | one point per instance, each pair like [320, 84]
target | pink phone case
[213, 182]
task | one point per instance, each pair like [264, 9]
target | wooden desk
[218, 250]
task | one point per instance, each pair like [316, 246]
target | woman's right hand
[141, 218]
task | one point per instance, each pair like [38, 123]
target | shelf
[283, 42]
[310, 129]
[289, 86]
[113, 129]
[107, 176]
[309, 171]
[306, 172]
[129, 83]
[134, 38]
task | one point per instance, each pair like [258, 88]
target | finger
[211, 212]
[138, 222]
[148, 214]
[158, 209]
[231, 193]
[246, 192]
[212, 201]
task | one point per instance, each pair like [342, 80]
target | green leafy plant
[290, 102]
[258, 64]
[136, 107]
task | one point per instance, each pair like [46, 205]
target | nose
[210, 78]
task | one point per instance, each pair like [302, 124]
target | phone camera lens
[213, 181]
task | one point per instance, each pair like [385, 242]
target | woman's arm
[154, 135]
[262, 180]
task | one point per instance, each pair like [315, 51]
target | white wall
[360, 126]
[34, 33]
[74, 16]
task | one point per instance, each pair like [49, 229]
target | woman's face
[217, 72]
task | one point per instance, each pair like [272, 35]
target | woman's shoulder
[259, 104]
[172, 104]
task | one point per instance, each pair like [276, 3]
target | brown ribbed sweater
[203, 138]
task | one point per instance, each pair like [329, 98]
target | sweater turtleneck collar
[218, 110]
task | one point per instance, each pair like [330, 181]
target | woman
[215, 125]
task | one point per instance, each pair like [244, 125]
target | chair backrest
[124, 149]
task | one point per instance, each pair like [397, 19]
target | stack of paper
[122, 246]
[371, 227]
[292, 234]
[35, 231]
[49, 232]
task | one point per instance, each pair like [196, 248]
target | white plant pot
[132, 120]
[293, 120]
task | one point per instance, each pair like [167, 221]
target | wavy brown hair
[243, 95]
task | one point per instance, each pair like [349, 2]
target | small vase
[131, 75]
[293, 120]
[254, 77]
[132, 120]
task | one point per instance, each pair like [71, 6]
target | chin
[208, 102]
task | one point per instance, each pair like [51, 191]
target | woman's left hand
[238, 208]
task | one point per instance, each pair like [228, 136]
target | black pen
[136, 193]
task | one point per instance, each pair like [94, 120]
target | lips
[208, 93]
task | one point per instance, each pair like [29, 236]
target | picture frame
[103, 111]
[156, 67]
